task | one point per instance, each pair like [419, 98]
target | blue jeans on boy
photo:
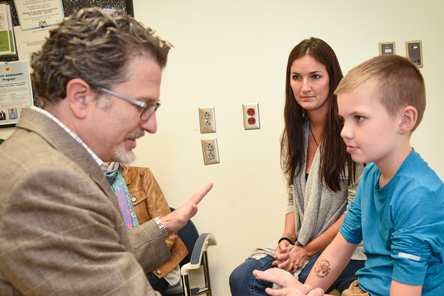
[243, 283]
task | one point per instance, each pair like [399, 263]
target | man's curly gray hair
[95, 46]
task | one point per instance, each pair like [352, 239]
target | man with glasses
[61, 230]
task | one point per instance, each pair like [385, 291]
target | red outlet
[251, 116]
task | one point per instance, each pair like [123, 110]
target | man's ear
[78, 95]
[408, 121]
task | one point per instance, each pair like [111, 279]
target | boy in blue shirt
[398, 210]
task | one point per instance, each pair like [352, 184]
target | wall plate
[210, 151]
[207, 120]
[413, 51]
[387, 48]
[251, 116]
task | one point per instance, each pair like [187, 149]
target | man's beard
[125, 156]
[128, 156]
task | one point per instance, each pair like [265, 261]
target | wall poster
[29, 24]
[15, 91]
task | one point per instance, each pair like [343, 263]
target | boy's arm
[400, 289]
[321, 242]
[331, 263]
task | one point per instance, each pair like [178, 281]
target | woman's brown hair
[336, 163]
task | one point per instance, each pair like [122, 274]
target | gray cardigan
[316, 207]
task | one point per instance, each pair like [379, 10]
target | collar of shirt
[102, 165]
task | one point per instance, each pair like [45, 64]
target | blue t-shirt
[402, 225]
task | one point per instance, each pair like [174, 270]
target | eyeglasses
[148, 109]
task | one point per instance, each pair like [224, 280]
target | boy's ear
[408, 121]
[78, 93]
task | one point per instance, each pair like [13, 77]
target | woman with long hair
[322, 178]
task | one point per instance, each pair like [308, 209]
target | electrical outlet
[207, 120]
[251, 116]
[414, 52]
[387, 48]
[210, 151]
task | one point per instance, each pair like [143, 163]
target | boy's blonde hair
[395, 80]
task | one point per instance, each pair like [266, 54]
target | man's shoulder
[25, 152]
[24, 145]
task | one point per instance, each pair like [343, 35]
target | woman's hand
[282, 256]
[298, 257]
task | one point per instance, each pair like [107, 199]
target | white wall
[234, 51]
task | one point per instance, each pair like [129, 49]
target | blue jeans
[242, 281]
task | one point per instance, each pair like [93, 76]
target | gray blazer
[61, 229]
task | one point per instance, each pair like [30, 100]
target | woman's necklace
[314, 138]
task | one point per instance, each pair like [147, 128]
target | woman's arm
[282, 251]
[290, 230]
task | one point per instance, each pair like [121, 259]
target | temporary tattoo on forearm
[322, 269]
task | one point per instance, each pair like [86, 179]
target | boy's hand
[289, 285]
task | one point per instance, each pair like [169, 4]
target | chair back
[197, 257]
